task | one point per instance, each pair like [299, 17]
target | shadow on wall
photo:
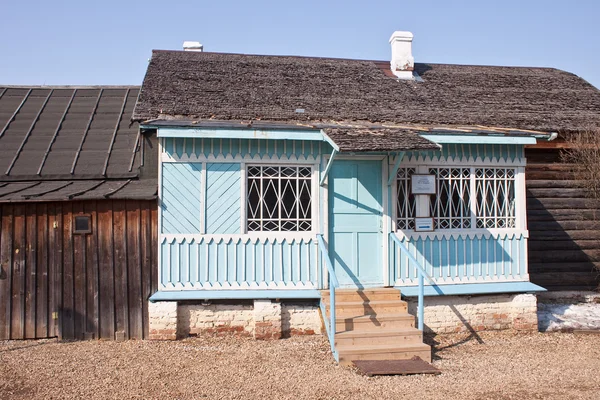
[470, 259]
[430, 338]
[564, 226]
[552, 316]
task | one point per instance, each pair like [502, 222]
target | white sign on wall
[423, 224]
[422, 184]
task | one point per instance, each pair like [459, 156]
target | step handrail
[422, 276]
[333, 284]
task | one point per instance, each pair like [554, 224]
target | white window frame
[244, 196]
[496, 218]
[462, 219]
[315, 197]
[423, 166]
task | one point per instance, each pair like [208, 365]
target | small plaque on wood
[422, 184]
[424, 224]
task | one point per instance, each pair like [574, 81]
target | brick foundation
[450, 314]
[300, 319]
[215, 318]
[262, 319]
[163, 320]
[267, 320]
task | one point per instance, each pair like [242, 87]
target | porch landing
[374, 324]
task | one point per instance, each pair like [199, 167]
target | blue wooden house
[283, 178]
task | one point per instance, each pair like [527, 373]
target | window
[467, 198]
[82, 224]
[451, 204]
[279, 198]
[495, 188]
[406, 201]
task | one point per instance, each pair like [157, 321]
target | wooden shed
[78, 214]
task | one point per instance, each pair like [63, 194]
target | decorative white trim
[261, 181]
[464, 280]
[325, 193]
[159, 214]
[316, 204]
[410, 160]
[254, 237]
[284, 159]
[520, 199]
[234, 286]
[465, 233]
[385, 222]
[243, 199]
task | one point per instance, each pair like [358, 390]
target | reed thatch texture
[192, 85]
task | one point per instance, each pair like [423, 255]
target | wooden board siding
[465, 259]
[280, 260]
[223, 192]
[181, 192]
[564, 225]
[54, 283]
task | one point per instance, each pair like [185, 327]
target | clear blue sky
[109, 42]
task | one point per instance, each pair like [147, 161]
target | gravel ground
[491, 366]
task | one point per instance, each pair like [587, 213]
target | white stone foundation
[450, 314]
[162, 320]
[265, 319]
[262, 319]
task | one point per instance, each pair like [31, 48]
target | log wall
[55, 283]
[564, 225]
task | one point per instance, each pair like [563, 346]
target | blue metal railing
[422, 276]
[333, 284]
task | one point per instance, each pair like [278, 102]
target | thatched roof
[62, 143]
[193, 85]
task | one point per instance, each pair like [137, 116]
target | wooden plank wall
[73, 286]
[564, 225]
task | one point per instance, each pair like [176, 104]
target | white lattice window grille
[451, 205]
[279, 198]
[406, 204]
[495, 193]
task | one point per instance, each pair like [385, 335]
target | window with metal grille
[495, 193]
[406, 205]
[279, 198]
[450, 206]
[466, 198]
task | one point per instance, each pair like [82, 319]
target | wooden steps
[374, 324]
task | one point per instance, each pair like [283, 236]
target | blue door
[355, 222]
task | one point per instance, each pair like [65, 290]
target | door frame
[385, 217]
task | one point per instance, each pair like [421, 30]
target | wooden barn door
[57, 283]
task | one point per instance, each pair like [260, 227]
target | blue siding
[180, 200]
[223, 197]
[509, 152]
[209, 262]
[234, 260]
[245, 147]
[463, 259]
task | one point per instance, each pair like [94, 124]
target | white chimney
[192, 46]
[402, 63]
